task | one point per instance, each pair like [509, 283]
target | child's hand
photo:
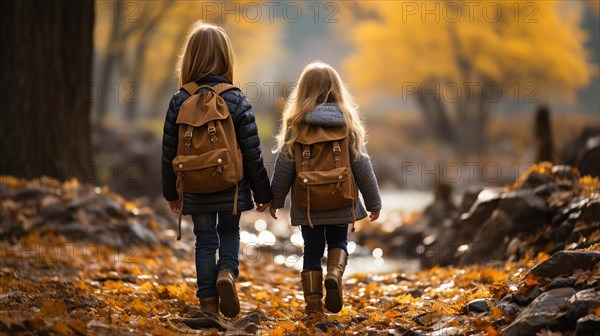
[175, 206]
[273, 212]
[262, 207]
[374, 215]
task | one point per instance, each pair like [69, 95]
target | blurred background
[449, 90]
[455, 95]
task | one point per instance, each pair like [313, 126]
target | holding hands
[374, 215]
[262, 207]
[175, 206]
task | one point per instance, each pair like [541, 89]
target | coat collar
[212, 78]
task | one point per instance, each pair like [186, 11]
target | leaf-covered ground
[80, 260]
[51, 285]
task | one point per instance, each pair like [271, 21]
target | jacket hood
[328, 114]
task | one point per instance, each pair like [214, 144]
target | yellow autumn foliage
[526, 47]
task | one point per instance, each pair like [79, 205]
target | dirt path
[52, 286]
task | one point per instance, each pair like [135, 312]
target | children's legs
[228, 228]
[207, 243]
[337, 257]
[337, 237]
[314, 246]
[312, 273]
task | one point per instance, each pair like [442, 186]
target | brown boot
[229, 305]
[337, 259]
[210, 304]
[312, 285]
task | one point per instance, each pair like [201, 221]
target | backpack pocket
[324, 190]
[209, 172]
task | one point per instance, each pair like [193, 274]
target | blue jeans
[215, 231]
[315, 239]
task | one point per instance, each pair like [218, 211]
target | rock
[485, 245]
[582, 152]
[588, 326]
[445, 332]
[487, 201]
[526, 298]
[588, 162]
[564, 175]
[469, 198]
[581, 303]
[560, 282]
[326, 325]
[24, 194]
[511, 310]
[534, 180]
[499, 323]
[249, 323]
[478, 306]
[590, 211]
[415, 293]
[545, 312]
[143, 233]
[448, 320]
[79, 212]
[525, 209]
[563, 263]
[205, 321]
[564, 230]
[427, 319]
[546, 190]
[505, 300]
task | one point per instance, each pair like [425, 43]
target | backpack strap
[337, 151]
[191, 87]
[222, 87]
[305, 157]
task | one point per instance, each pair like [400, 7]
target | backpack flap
[328, 190]
[205, 173]
[213, 158]
[201, 108]
[314, 134]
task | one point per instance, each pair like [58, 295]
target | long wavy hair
[207, 50]
[319, 83]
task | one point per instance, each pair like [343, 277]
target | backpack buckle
[337, 150]
[212, 130]
[306, 154]
[188, 136]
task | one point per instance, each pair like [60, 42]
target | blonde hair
[319, 83]
[207, 50]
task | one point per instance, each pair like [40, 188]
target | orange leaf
[51, 308]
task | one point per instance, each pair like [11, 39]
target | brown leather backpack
[324, 179]
[208, 157]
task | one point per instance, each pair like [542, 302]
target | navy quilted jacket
[255, 174]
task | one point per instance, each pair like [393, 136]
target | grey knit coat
[285, 174]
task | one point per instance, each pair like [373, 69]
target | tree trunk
[111, 56]
[150, 23]
[543, 135]
[436, 115]
[46, 79]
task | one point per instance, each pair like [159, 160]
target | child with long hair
[207, 59]
[321, 99]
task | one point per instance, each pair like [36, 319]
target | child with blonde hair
[321, 105]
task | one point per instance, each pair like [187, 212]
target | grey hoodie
[285, 174]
